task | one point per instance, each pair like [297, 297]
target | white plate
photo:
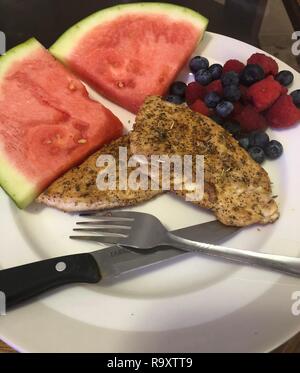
[191, 305]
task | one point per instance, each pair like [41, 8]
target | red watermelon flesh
[130, 56]
[47, 121]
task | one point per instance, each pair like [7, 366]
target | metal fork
[141, 231]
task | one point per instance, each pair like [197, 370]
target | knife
[24, 282]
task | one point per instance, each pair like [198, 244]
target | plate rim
[278, 343]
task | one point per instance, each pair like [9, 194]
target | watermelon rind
[17, 54]
[16, 185]
[64, 46]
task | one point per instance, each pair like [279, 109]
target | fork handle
[286, 264]
[24, 282]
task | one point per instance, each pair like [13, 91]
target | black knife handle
[26, 281]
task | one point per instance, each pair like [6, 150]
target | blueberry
[257, 154]
[274, 149]
[252, 74]
[284, 77]
[233, 127]
[232, 93]
[174, 99]
[178, 89]
[198, 63]
[224, 108]
[203, 77]
[217, 119]
[230, 78]
[216, 71]
[244, 142]
[260, 139]
[296, 97]
[212, 99]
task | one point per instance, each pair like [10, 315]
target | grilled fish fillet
[236, 188]
[77, 190]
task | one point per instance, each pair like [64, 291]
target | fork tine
[104, 227]
[116, 222]
[106, 231]
[95, 213]
[111, 214]
[100, 239]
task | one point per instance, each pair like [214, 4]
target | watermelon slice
[130, 51]
[47, 121]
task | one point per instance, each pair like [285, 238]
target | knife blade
[24, 282]
[125, 260]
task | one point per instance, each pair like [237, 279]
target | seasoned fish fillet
[77, 189]
[236, 188]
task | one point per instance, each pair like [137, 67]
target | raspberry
[238, 108]
[264, 93]
[283, 113]
[215, 86]
[251, 120]
[233, 65]
[244, 92]
[200, 107]
[284, 90]
[269, 65]
[194, 91]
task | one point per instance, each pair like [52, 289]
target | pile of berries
[244, 99]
